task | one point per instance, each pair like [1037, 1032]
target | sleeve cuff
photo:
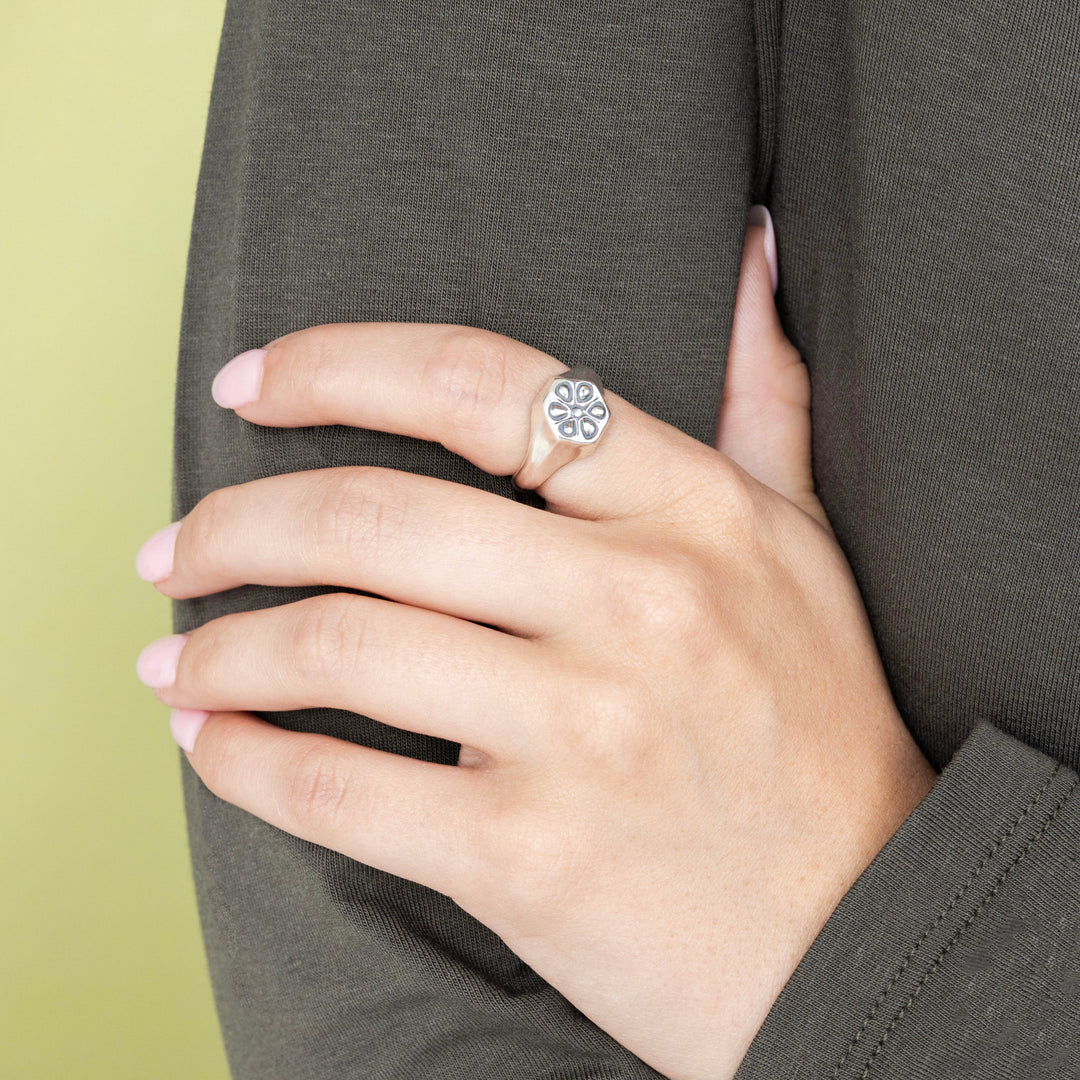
[960, 920]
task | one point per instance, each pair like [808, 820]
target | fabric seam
[975, 873]
[248, 125]
[971, 917]
[766, 21]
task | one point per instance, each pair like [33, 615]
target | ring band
[569, 414]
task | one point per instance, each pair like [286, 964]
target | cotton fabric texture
[577, 176]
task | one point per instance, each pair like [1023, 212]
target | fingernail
[156, 665]
[185, 725]
[154, 562]
[759, 215]
[239, 381]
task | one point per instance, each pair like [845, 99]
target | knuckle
[793, 380]
[203, 663]
[710, 497]
[606, 725]
[727, 509]
[529, 852]
[467, 376]
[626, 728]
[534, 877]
[666, 596]
[316, 787]
[220, 762]
[205, 526]
[729, 495]
[310, 369]
[745, 523]
[353, 511]
[326, 638]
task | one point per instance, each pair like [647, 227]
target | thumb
[765, 413]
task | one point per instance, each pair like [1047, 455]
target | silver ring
[568, 416]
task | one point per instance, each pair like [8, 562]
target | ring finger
[409, 667]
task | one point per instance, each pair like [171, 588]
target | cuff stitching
[971, 878]
[971, 917]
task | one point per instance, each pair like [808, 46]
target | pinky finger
[411, 818]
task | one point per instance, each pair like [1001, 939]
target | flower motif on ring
[575, 410]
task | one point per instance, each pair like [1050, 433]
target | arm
[566, 178]
[320, 444]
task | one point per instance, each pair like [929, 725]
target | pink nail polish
[239, 381]
[154, 562]
[185, 725]
[156, 665]
[759, 215]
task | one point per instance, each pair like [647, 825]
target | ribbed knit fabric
[577, 177]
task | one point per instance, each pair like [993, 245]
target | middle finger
[417, 539]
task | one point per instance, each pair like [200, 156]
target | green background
[102, 971]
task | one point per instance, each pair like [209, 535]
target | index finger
[472, 391]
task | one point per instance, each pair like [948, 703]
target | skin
[679, 746]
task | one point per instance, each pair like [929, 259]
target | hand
[679, 747]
